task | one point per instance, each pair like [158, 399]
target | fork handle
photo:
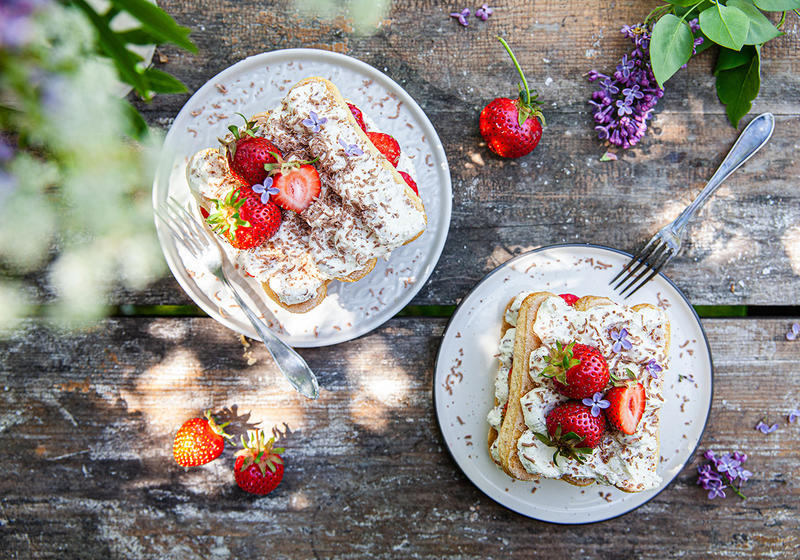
[752, 139]
[293, 367]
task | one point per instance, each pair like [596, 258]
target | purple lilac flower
[6, 151]
[794, 415]
[483, 12]
[627, 98]
[351, 149]
[727, 464]
[313, 121]
[597, 403]
[765, 428]
[621, 341]
[462, 16]
[265, 189]
[710, 456]
[653, 368]
[694, 25]
[716, 490]
[794, 332]
[16, 23]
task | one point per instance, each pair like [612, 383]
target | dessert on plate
[579, 389]
[308, 193]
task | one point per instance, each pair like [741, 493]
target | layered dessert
[578, 391]
[307, 193]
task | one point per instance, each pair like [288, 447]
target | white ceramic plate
[256, 84]
[466, 368]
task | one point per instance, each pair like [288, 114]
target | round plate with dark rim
[256, 84]
[466, 366]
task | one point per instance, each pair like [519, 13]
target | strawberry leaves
[559, 360]
[527, 104]
[566, 445]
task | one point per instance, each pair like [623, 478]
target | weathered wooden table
[87, 420]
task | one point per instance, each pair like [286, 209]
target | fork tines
[184, 226]
[648, 262]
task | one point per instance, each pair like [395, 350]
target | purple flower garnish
[765, 428]
[694, 25]
[17, 21]
[265, 189]
[597, 403]
[653, 368]
[483, 12]
[621, 341]
[351, 149]
[794, 415]
[710, 456]
[313, 121]
[462, 16]
[794, 332]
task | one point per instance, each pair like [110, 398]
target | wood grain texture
[743, 249]
[86, 424]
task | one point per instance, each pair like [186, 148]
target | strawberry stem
[519, 69]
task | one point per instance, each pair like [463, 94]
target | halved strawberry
[358, 115]
[569, 298]
[386, 145]
[627, 406]
[411, 183]
[297, 188]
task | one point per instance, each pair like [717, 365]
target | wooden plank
[743, 249]
[86, 422]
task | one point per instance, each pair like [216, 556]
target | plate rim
[497, 269]
[165, 161]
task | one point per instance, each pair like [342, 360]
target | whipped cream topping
[332, 238]
[629, 461]
[374, 190]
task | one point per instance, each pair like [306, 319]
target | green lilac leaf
[683, 3]
[161, 82]
[778, 5]
[670, 47]
[124, 60]
[728, 59]
[726, 26]
[158, 22]
[738, 87]
[761, 29]
[137, 36]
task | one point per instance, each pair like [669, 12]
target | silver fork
[665, 244]
[204, 247]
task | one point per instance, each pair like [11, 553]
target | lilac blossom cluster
[626, 99]
[729, 468]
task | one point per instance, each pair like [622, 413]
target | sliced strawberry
[247, 156]
[410, 181]
[358, 115]
[569, 298]
[386, 145]
[297, 188]
[627, 406]
[204, 212]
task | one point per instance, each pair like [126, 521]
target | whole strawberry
[573, 430]
[259, 467]
[245, 221]
[199, 441]
[512, 127]
[247, 153]
[578, 371]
